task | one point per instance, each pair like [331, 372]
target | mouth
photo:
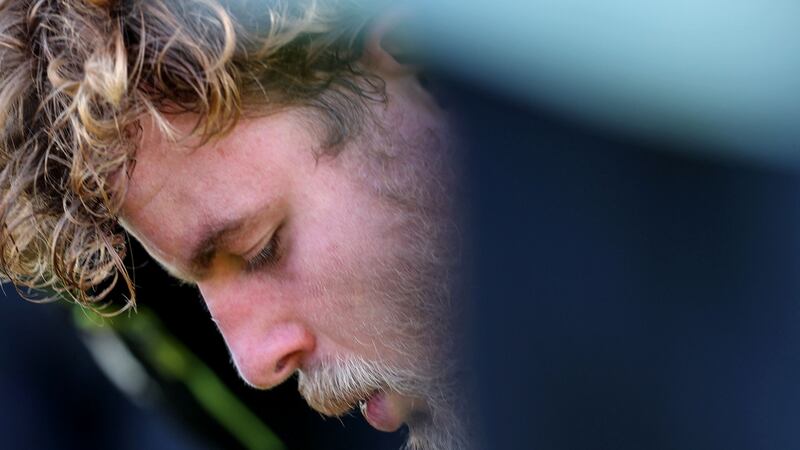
[336, 389]
[384, 411]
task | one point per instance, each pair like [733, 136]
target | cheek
[327, 267]
[343, 242]
[335, 268]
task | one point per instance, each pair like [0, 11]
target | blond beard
[336, 387]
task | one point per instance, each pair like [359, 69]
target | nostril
[286, 361]
[281, 364]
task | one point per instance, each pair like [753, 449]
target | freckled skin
[325, 296]
[317, 207]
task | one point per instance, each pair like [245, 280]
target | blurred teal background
[724, 74]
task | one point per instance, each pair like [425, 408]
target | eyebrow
[206, 249]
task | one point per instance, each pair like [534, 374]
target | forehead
[176, 190]
[168, 168]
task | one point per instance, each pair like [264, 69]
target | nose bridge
[267, 340]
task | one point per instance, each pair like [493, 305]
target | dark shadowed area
[626, 297]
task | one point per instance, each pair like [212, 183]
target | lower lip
[380, 413]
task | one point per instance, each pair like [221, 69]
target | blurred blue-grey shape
[721, 74]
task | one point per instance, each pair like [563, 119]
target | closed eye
[267, 256]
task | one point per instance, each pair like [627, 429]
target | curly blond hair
[77, 77]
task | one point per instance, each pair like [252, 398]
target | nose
[269, 358]
[267, 343]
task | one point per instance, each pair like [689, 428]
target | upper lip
[339, 406]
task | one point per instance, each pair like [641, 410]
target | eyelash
[267, 256]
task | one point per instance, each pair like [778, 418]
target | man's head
[274, 153]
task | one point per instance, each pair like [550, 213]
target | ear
[388, 49]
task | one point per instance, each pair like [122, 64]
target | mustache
[336, 386]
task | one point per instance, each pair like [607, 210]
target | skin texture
[266, 173]
[354, 282]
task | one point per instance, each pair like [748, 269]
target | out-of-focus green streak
[174, 362]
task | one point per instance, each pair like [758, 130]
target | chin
[437, 429]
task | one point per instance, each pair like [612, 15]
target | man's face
[336, 268]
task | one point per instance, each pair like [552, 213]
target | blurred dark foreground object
[625, 296]
[54, 397]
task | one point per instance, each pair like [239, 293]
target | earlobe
[387, 48]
